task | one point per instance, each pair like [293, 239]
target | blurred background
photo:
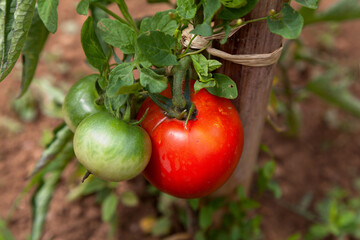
[306, 185]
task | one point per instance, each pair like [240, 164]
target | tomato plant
[80, 101]
[111, 148]
[194, 160]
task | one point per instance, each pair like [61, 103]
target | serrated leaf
[160, 22]
[48, 181]
[335, 95]
[289, 25]
[154, 82]
[113, 104]
[48, 13]
[118, 35]
[205, 217]
[83, 7]
[225, 87]
[108, 207]
[236, 13]
[200, 85]
[342, 10]
[62, 136]
[91, 46]
[15, 21]
[156, 47]
[186, 9]
[313, 4]
[121, 75]
[33, 46]
[129, 199]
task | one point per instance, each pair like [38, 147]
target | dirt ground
[322, 156]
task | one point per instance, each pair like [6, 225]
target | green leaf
[236, 13]
[156, 47]
[289, 25]
[213, 64]
[15, 21]
[5, 233]
[48, 181]
[108, 207]
[83, 7]
[313, 4]
[160, 22]
[98, 14]
[336, 95]
[186, 9]
[161, 227]
[203, 29]
[134, 88]
[62, 137]
[200, 64]
[91, 46]
[33, 46]
[225, 87]
[121, 75]
[295, 236]
[210, 8]
[129, 199]
[205, 217]
[152, 81]
[48, 13]
[342, 10]
[118, 35]
[90, 186]
[200, 85]
[194, 203]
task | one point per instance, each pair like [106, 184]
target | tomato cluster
[185, 160]
[109, 148]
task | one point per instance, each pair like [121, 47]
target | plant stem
[180, 70]
[114, 15]
[195, 52]
[125, 12]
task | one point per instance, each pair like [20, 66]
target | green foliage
[335, 94]
[152, 81]
[342, 10]
[91, 46]
[338, 216]
[235, 13]
[48, 13]
[186, 9]
[5, 233]
[33, 46]
[15, 22]
[225, 87]
[289, 25]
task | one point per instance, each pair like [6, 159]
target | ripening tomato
[80, 102]
[193, 161]
[110, 148]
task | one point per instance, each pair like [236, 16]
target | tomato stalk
[178, 99]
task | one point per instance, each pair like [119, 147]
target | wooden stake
[254, 86]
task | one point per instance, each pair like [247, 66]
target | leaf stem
[125, 12]
[114, 15]
[195, 52]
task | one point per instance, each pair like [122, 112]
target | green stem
[125, 12]
[195, 52]
[114, 15]
[180, 70]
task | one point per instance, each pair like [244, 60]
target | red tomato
[194, 161]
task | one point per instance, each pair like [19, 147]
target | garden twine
[253, 60]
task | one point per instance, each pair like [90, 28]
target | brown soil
[322, 156]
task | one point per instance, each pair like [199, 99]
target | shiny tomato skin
[111, 149]
[194, 161]
[80, 101]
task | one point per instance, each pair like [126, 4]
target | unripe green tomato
[80, 102]
[110, 148]
[233, 3]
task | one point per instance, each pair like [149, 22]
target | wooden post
[254, 86]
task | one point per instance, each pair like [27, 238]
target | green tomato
[80, 102]
[110, 148]
[234, 3]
